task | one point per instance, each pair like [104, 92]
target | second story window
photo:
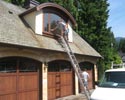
[50, 22]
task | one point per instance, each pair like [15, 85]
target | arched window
[50, 18]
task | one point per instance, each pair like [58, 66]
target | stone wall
[44, 56]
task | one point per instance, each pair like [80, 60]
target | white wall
[39, 22]
[34, 20]
[70, 34]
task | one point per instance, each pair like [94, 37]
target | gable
[51, 6]
[41, 19]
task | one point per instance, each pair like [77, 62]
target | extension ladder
[75, 65]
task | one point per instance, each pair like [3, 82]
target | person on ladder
[85, 79]
[64, 30]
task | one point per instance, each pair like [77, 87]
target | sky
[116, 18]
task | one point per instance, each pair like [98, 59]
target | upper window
[50, 22]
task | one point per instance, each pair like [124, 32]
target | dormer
[42, 19]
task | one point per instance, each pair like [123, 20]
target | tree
[92, 26]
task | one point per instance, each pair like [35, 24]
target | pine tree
[92, 26]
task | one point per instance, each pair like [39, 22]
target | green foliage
[92, 26]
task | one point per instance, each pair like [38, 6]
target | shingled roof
[14, 32]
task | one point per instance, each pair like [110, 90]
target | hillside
[118, 39]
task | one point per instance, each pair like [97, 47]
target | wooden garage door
[18, 80]
[60, 84]
[60, 81]
[90, 81]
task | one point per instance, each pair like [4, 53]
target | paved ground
[75, 97]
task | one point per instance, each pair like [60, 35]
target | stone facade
[44, 56]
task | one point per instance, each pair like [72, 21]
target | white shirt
[85, 76]
[62, 23]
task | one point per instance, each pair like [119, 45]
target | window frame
[50, 12]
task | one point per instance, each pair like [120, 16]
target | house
[33, 64]
[123, 58]
[122, 54]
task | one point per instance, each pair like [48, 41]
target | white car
[112, 86]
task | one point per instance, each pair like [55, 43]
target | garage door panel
[52, 79]
[7, 84]
[51, 93]
[66, 90]
[66, 78]
[8, 97]
[28, 95]
[60, 84]
[28, 82]
[90, 81]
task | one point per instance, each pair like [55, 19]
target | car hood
[102, 93]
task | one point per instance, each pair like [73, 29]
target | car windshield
[113, 80]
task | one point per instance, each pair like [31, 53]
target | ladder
[75, 65]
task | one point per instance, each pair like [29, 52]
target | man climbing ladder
[62, 26]
[76, 67]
